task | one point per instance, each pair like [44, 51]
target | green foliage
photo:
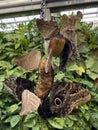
[25, 38]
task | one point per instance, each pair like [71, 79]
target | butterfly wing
[65, 96]
[47, 28]
[30, 102]
[64, 56]
[16, 85]
[68, 31]
[44, 109]
[46, 80]
[29, 61]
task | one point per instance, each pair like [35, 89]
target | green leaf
[59, 76]
[94, 119]
[8, 120]
[2, 77]
[83, 108]
[68, 122]
[83, 48]
[58, 123]
[17, 45]
[89, 62]
[72, 117]
[73, 67]
[29, 117]
[15, 120]
[87, 116]
[12, 108]
[92, 74]
[94, 67]
[5, 64]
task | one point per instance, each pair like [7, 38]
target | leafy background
[84, 72]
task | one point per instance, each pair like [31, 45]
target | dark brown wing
[65, 96]
[47, 28]
[29, 61]
[44, 109]
[16, 85]
[63, 99]
[64, 56]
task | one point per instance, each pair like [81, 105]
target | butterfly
[63, 100]
[46, 80]
[16, 85]
[24, 91]
[58, 40]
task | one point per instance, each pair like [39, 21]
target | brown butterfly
[64, 98]
[46, 80]
[16, 85]
[69, 31]
[58, 40]
[23, 89]
[29, 61]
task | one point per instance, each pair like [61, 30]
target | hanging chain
[43, 9]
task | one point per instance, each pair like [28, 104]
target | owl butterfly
[59, 41]
[69, 31]
[16, 85]
[29, 61]
[64, 98]
[24, 89]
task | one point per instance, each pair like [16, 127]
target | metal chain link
[43, 9]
